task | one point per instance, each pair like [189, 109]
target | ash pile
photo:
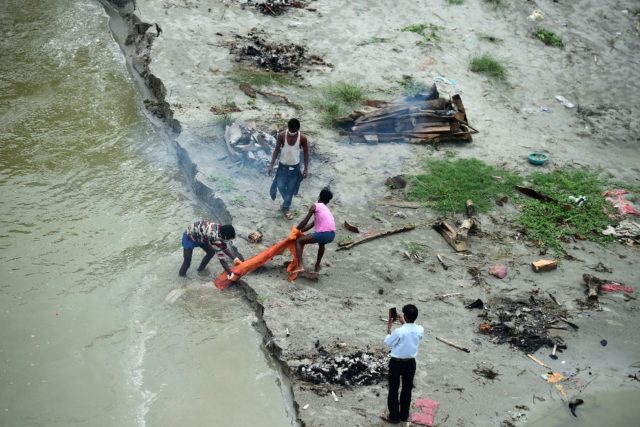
[273, 7]
[423, 118]
[525, 324]
[248, 146]
[359, 368]
[277, 57]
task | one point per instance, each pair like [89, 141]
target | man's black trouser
[405, 370]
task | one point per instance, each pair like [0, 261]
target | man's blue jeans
[287, 182]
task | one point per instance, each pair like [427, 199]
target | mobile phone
[393, 313]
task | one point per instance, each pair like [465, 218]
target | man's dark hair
[294, 125]
[325, 195]
[410, 312]
[227, 232]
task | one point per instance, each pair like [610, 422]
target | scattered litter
[451, 82]
[578, 200]
[603, 343]
[564, 101]
[537, 159]
[617, 197]
[553, 353]
[444, 265]
[286, 332]
[553, 377]
[427, 411]
[536, 15]
[275, 7]
[574, 404]
[485, 328]
[487, 373]
[351, 227]
[305, 407]
[544, 110]
[498, 270]
[466, 350]
[616, 287]
[538, 361]
[255, 237]
[544, 265]
[359, 368]
[476, 304]
[333, 394]
[627, 230]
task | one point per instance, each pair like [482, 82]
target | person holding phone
[404, 343]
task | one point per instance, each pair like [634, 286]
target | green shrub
[488, 65]
[549, 38]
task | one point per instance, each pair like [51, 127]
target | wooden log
[535, 194]
[544, 265]
[407, 227]
[450, 235]
[593, 285]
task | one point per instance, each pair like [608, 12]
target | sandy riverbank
[597, 70]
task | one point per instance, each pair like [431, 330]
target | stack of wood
[416, 122]
[247, 145]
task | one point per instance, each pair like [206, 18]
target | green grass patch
[374, 40]
[224, 119]
[261, 78]
[549, 38]
[496, 3]
[448, 184]
[455, 1]
[489, 66]
[337, 100]
[414, 248]
[489, 38]
[430, 33]
[411, 86]
[222, 183]
[549, 224]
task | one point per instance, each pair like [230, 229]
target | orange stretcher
[246, 267]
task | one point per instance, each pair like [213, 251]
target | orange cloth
[262, 258]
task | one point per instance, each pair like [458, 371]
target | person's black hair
[410, 312]
[294, 125]
[325, 195]
[227, 232]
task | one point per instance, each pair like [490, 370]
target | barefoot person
[325, 228]
[288, 176]
[212, 238]
[404, 343]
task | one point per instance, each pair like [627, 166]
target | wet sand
[597, 71]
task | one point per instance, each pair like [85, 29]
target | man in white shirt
[404, 343]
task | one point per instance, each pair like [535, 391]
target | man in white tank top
[288, 176]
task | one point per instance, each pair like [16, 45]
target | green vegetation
[428, 32]
[489, 66]
[411, 86]
[549, 38]
[260, 78]
[238, 200]
[414, 249]
[489, 38]
[548, 224]
[496, 3]
[337, 100]
[222, 183]
[373, 40]
[455, 1]
[448, 184]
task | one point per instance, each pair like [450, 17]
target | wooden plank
[449, 234]
[407, 227]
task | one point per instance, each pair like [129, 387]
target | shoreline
[332, 314]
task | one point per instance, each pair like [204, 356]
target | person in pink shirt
[325, 227]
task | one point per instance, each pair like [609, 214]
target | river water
[93, 207]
